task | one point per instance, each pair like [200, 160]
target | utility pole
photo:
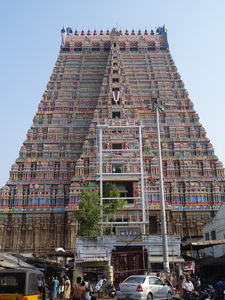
[157, 108]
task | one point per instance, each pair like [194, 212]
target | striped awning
[87, 259]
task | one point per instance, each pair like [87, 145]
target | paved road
[107, 297]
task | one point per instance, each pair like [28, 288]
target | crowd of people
[60, 287]
[192, 288]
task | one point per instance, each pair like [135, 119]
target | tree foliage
[111, 205]
[88, 214]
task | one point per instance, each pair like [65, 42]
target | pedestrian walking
[52, 289]
[61, 286]
[67, 288]
[180, 281]
[78, 290]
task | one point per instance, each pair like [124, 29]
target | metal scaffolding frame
[140, 174]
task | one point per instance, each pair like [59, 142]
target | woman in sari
[67, 288]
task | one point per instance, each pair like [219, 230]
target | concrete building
[215, 231]
[119, 256]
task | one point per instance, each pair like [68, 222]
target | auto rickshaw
[21, 284]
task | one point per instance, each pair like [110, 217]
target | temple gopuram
[94, 125]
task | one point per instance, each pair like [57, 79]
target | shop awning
[87, 259]
[201, 245]
[9, 261]
[159, 259]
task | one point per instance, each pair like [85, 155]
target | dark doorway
[152, 225]
[117, 146]
[128, 260]
[126, 189]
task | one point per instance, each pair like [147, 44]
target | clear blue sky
[30, 40]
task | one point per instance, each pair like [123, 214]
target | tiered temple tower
[94, 125]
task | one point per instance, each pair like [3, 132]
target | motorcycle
[112, 291]
[173, 289]
[192, 296]
[207, 293]
[219, 292]
[198, 283]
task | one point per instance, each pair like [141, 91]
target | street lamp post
[159, 107]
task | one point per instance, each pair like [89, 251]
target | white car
[143, 287]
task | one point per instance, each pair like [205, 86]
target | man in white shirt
[100, 287]
[87, 295]
[188, 287]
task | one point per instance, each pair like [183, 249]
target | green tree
[89, 213]
[110, 206]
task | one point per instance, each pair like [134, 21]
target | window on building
[117, 168]
[116, 146]
[116, 114]
[152, 225]
[213, 235]
[207, 236]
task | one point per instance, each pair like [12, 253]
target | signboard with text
[128, 233]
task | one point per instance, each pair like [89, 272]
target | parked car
[143, 287]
